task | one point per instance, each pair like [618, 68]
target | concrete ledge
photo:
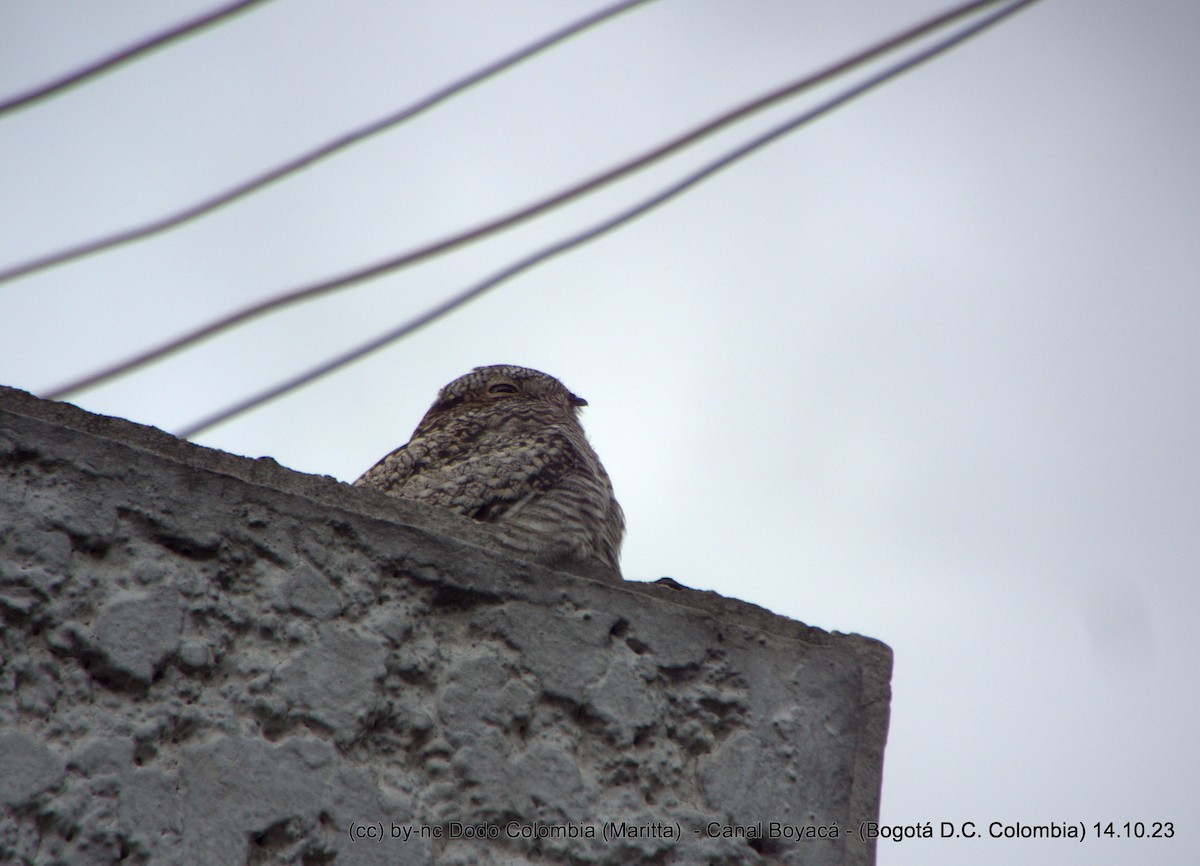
[212, 659]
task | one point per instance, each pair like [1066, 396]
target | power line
[317, 154]
[604, 227]
[125, 55]
[378, 269]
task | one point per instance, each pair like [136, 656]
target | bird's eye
[502, 388]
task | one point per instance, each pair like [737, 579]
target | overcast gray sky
[927, 370]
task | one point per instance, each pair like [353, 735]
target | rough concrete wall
[215, 660]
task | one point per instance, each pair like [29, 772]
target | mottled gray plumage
[503, 445]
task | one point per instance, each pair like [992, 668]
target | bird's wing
[390, 472]
[482, 481]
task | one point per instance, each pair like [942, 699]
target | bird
[503, 445]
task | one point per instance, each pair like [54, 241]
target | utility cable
[317, 154]
[604, 227]
[125, 55]
[514, 218]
